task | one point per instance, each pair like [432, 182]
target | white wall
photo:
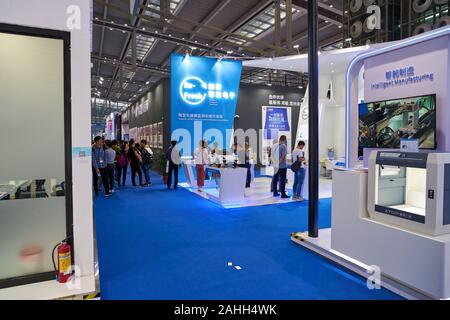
[52, 14]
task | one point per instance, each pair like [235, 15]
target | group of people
[244, 157]
[213, 156]
[110, 161]
[279, 157]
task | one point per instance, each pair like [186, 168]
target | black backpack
[146, 156]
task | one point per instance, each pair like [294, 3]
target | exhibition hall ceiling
[131, 54]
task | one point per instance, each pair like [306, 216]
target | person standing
[214, 161]
[99, 166]
[116, 148]
[122, 164]
[174, 159]
[135, 163]
[147, 160]
[110, 158]
[280, 168]
[298, 155]
[273, 159]
[201, 156]
[244, 162]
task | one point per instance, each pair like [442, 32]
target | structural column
[313, 75]
[289, 24]
[278, 25]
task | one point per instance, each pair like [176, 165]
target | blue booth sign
[276, 121]
[204, 94]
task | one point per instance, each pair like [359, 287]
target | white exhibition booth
[408, 253]
[74, 17]
[332, 67]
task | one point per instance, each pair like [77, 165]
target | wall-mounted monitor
[383, 124]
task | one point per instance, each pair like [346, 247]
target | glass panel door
[35, 200]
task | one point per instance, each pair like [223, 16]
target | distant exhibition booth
[332, 67]
[391, 204]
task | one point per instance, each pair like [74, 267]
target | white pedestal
[419, 261]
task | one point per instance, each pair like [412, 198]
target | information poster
[147, 133]
[145, 106]
[155, 137]
[204, 93]
[133, 134]
[276, 121]
[160, 135]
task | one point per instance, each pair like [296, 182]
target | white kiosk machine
[410, 190]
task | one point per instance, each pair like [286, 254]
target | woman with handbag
[298, 158]
[135, 163]
[201, 157]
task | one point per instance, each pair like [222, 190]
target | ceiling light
[148, 82]
[296, 46]
[230, 52]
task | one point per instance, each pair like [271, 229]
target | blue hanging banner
[204, 93]
[276, 120]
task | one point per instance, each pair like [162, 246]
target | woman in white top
[201, 158]
[299, 177]
[214, 161]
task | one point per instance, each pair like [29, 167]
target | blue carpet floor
[155, 243]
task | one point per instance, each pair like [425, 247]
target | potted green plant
[160, 164]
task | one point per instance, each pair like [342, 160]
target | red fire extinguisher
[64, 271]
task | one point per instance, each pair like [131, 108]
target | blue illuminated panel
[204, 90]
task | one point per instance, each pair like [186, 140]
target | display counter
[414, 259]
[230, 189]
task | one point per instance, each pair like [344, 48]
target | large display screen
[204, 93]
[383, 124]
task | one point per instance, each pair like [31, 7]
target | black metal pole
[313, 121]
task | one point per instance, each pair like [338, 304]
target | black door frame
[65, 36]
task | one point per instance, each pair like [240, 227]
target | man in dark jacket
[174, 158]
[99, 166]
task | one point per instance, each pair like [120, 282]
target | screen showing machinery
[383, 124]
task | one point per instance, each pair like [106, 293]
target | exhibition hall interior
[225, 150]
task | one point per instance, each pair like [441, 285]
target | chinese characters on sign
[200, 116]
[401, 77]
[279, 100]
